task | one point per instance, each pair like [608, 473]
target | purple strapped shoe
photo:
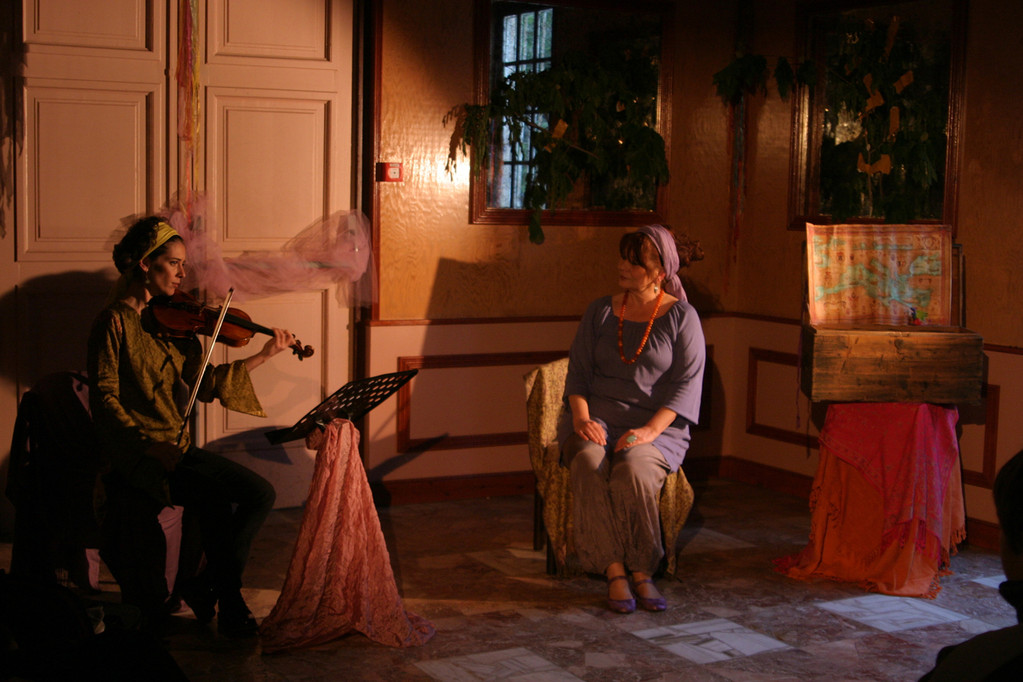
[620, 605]
[654, 603]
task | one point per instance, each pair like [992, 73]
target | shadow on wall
[706, 437]
[239, 446]
[703, 459]
[49, 317]
[52, 317]
[701, 298]
[515, 280]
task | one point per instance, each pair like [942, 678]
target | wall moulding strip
[406, 443]
[422, 490]
[753, 427]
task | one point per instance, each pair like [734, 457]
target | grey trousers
[615, 511]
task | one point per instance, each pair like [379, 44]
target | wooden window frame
[481, 213]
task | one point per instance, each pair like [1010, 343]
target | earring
[656, 289]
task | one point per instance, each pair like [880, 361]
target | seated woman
[142, 380]
[633, 389]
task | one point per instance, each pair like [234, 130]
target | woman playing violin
[142, 380]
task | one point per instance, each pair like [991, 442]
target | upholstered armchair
[545, 386]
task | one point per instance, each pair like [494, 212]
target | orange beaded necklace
[646, 334]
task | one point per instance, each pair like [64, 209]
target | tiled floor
[469, 567]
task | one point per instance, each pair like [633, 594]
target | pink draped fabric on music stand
[340, 578]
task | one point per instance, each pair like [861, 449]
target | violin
[181, 315]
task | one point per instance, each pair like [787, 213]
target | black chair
[55, 467]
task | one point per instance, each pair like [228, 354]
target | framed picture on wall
[875, 139]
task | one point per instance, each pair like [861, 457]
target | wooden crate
[883, 363]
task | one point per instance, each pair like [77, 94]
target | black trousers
[225, 505]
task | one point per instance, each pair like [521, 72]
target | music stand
[350, 402]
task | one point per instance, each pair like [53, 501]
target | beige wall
[698, 190]
[433, 263]
[991, 187]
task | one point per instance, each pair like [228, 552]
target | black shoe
[234, 618]
[237, 625]
[200, 598]
[173, 604]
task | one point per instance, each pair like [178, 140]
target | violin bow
[205, 364]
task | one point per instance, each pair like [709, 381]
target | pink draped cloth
[334, 250]
[340, 578]
[906, 451]
[887, 502]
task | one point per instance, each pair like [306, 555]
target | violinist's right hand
[166, 453]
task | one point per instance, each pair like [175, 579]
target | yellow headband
[164, 233]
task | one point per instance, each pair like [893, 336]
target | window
[525, 39]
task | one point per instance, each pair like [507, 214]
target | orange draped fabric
[340, 578]
[887, 501]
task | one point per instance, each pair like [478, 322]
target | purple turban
[665, 243]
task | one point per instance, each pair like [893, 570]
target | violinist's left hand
[282, 340]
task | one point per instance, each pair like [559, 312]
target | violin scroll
[301, 351]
